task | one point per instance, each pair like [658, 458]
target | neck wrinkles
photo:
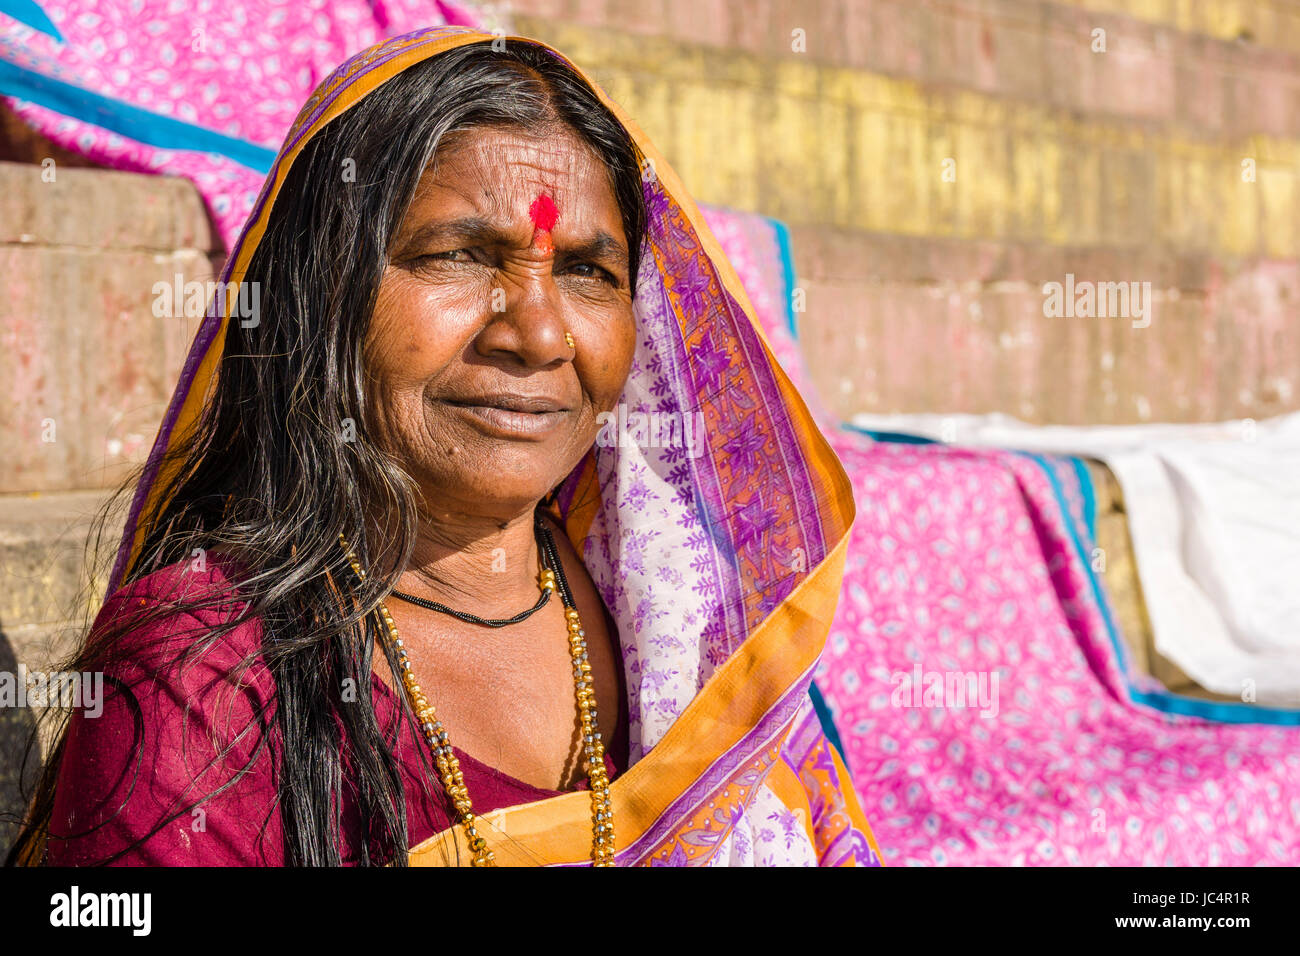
[476, 565]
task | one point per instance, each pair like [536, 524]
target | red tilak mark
[543, 213]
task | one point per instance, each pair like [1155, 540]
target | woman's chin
[505, 482]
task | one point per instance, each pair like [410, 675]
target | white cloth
[1214, 514]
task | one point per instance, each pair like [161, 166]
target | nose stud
[568, 339]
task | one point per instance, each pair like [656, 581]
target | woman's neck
[479, 565]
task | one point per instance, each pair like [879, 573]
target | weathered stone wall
[85, 367]
[924, 290]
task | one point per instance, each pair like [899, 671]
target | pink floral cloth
[241, 70]
[960, 562]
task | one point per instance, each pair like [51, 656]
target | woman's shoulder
[191, 708]
[176, 637]
[174, 604]
[205, 575]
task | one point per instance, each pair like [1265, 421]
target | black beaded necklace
[549, 558]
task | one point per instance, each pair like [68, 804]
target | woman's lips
[514, 416]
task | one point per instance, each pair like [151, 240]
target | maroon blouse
[120, 793]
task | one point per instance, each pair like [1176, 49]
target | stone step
[49, 591]
[48, 599]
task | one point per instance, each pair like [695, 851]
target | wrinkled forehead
[502, 171]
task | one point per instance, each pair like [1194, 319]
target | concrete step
[49, 588]
[88, 366]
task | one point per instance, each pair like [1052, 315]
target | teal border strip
[29, 12]
[827, 719]
[898, 438]
[127, 120]
[787, 273]
[1089, 496]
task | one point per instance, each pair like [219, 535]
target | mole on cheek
[543, 213]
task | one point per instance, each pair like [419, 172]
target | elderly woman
[501, 413]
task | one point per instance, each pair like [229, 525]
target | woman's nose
[525, 321]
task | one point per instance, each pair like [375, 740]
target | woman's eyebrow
[467, 227]
[601, 247]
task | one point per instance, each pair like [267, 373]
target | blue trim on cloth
[1089, 496]
[1165, 701]
[899, 438]
[124, 119]
[787, 273]
[29, 13]
[827, 719]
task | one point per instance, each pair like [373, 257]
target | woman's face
[512, 241]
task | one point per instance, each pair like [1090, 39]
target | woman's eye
[433, 261]
[594, 272]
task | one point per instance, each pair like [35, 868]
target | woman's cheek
[606, 374]
[621, 360]
[420, 325]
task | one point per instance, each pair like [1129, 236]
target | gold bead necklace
[453, 780]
